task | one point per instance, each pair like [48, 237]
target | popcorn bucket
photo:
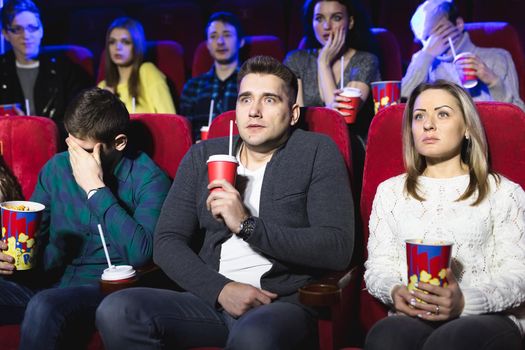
[427, 261]
[20, 221]
[386, 93]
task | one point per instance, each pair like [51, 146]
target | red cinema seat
[26, 144]
[168, 56]
[253, 46]
[181, 21]
[164, 137]
[79, 55]
[504, 125]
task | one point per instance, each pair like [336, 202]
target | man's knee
[113, 309]
[43, 305]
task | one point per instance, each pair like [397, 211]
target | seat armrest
[326, 291]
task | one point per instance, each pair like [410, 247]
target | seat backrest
[79, 55]
[318, 119]
[253, 46]
[389, 54]
[164, 137]
[181, 21]
[26, 144]
[504, 125]
[168, 56]
[390, 64]
[505, 36]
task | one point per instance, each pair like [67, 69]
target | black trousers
[479, 332]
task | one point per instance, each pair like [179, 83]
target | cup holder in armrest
[319, 294]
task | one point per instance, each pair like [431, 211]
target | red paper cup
[222, 166]
[386, 93]
[20, 221]
[352, 106]
[467, 76]
[204, 132]
[427, 261]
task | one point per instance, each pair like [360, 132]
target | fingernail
[412, 292]
[429, 313]
[420, 315]
[413, 302]
[416, 285]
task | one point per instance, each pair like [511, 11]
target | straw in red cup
[386, 93]
[222, 166]
[427, 262]
[204, 132]
[351, 106]
[20, 222]
[467, 76]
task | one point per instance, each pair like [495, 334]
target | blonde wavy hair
[474, 151]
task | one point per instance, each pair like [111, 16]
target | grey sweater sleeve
[326, 240]
[417, 72]
[506, 89]
[178, 223]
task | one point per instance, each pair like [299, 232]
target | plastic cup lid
[28, 206]
[205, 128]
[429, 242]
[351, 92]
[119, 272]
[222, 158]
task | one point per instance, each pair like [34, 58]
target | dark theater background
[84, 23]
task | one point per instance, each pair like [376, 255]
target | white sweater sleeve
[383, 267]
[506, 287]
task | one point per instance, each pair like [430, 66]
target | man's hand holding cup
[226, 205]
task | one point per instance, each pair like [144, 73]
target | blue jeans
[146, 318]
[55, 318]
[487, 332]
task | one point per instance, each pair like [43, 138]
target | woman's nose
[429, 124]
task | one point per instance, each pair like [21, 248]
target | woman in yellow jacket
[140, 85]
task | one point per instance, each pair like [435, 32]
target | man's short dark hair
[97, 114]
[225, 17]
[13, 7]
[270, 65]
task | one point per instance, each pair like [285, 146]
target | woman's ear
[121, 142]
[350, 22]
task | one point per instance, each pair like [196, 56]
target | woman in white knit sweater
[448, 193]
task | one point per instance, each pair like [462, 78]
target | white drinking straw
[452, 47]
[231, 138]
[104, 245]
[133, 105]
[28, 112]
[342, 72]
[211, 112]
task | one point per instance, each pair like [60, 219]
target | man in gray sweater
[287, 220]
[433, 23]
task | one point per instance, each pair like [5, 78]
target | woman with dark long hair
[140, 85]
[335, 29]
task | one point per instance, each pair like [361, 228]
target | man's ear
[121, 142]
[296, 112]
[460, 24]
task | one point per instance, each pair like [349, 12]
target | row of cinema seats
[84, 22]
[169, 55]
[347, 311]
